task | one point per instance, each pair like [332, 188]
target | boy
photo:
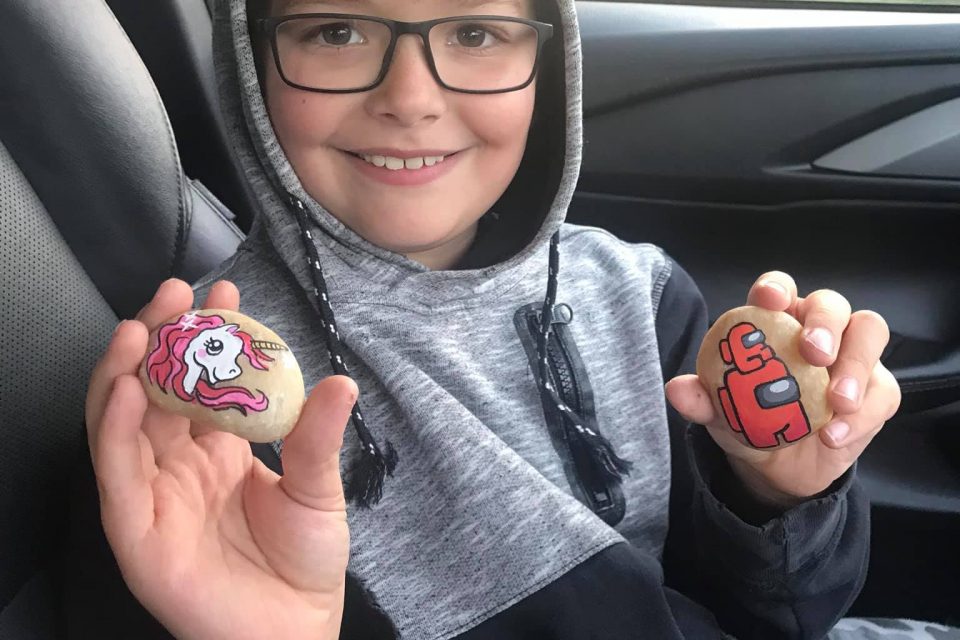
[514, 473]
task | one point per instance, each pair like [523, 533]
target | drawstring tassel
[364, 481]
[605, 461]
[365, 478]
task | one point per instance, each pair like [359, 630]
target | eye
[336, 34]
[213, 346]
[472, 36]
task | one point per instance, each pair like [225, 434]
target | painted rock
[751, 365]
[221, 368]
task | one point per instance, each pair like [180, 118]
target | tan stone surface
[281, 383]
[783, 335]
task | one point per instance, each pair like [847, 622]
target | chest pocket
[569, 378]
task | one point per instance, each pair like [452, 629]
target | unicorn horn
[263, 345]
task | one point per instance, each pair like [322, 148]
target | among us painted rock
[751, 365]
[221, 368]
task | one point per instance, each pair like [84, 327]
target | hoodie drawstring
[364, 481]
[605, 461]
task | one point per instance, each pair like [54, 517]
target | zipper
[560, 367]
[569, 378]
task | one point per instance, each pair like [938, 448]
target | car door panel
[924, 144]
[818, 142]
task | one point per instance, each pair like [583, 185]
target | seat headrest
[82, 119]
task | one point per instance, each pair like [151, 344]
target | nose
[409, 95]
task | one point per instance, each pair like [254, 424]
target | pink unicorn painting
[196, 353]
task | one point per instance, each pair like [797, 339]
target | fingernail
[848, 388]
[116, 329]
[821, 339]
[838, 431]
[773, 284]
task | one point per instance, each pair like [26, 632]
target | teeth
[411, 164]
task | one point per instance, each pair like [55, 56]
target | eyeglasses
[344, 53]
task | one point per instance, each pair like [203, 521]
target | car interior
[815, 138]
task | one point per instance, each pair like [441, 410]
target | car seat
[175, 40]
[95, 212]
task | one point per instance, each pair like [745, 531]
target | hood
[551, 162]
[331, 262]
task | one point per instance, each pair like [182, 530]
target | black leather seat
[95, 211]
[175, 40]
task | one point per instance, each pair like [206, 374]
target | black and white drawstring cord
[607, 464]
[364, 483]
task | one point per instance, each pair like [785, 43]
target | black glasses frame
[269, 26]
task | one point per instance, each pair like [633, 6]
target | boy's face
[428, 214]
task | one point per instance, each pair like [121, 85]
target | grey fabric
[55, 325]
[891, 629]
[479, 513]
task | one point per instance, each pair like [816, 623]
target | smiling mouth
[392, 163]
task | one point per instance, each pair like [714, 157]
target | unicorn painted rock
[221, 368]
[751, 365]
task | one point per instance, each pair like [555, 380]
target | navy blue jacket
[730, 568]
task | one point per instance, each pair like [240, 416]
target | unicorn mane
[168, 369]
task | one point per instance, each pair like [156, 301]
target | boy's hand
[862, 392]
[213, 543]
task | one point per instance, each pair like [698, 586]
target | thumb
[311, 453]
[691, 400]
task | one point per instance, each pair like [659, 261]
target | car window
[922, 5]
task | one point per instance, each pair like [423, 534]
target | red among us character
[760, 398]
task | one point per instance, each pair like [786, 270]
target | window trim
[809, 5]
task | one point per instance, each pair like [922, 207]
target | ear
[231, 328]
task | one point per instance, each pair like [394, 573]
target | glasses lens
[484, 55]
[331, 53]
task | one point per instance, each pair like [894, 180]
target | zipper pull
[562, 314]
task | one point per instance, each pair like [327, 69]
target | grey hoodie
[482, 510]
